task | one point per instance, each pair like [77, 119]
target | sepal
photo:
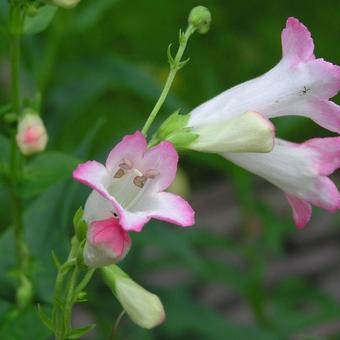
[175, 130]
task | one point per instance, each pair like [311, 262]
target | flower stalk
[175, 65]
[24, 290]
[68, 289]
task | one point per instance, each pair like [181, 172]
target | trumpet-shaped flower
[298, 85]
[301, 171]
[301, 85]
[130, 186]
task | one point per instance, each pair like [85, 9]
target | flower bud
[143, 307]
[24, 293]
[31, 136]
[200, 18]
[107, 243]
[66, 3]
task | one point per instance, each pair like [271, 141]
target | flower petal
[297, 43]
[94, 175]
[302, 210]
[300, 170]
[163, 158]
[132, 147]
[107, 243]
[97, 208]
[168, 207]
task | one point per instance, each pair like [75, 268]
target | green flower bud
[24, 292]
[143, 307]
[200, 18]
[66, 3]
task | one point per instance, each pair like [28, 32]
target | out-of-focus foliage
[100, 68]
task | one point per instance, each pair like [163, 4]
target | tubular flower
[298, 85]
[130, 186]
[301, 171]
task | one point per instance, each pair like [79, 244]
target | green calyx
[175, 130]
[80, 226]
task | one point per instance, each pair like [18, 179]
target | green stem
[67, 291]
[175, 65]
[84, 282]
[70, 299]
[16, 23]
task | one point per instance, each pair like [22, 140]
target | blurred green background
[243, 271]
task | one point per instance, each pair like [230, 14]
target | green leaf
[4, 149]
[6, 108]
[37, 23]
[45, 319]
[45, 170]
[76, 333]
[24, 325]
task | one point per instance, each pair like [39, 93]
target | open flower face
[130, 186]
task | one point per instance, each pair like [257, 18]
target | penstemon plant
[130, 189]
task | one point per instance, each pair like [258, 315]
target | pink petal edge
[110, 233]
[164, 158]
[302, 210]
[297, 43]
[175, 210]
[131, 147]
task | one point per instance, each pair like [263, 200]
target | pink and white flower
[301, 171]
[298, 85]
[130, 186]
[301, 85]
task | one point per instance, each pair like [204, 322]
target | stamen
[139, 181]
[126, 164]
[152, 173]
[120, 173]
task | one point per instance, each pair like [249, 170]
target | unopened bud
[143, 307]
[66, 3]
[200, 18]
[107, 242]
[24, 292]
[31, 136]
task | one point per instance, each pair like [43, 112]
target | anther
[152, 173]
[139, 181]
[120, 173]
[126, 164]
